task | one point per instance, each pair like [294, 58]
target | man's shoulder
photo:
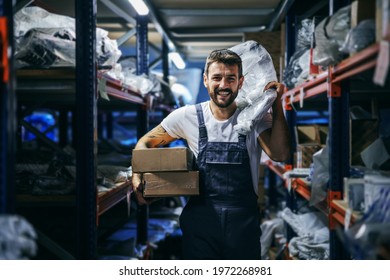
[191, 108]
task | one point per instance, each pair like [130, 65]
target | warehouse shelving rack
[334, 84]
[79, 86]
[330, 82]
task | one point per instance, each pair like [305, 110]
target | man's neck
[222, 114]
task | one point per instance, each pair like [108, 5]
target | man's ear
[240, 82]
[205, 80]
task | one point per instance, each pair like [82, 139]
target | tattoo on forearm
[157, 134]
[162, 142]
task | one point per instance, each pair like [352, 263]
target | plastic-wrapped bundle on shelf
[359, 37]
[305, 34]
[297, 69]
[258, 71]
[44, 39]
[320, 177]
[312, 241]
[17, 238]
[125, 71]
[330, 35]
[369, 238]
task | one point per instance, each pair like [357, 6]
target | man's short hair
[224, 56]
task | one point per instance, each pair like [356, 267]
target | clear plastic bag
[320, 176]
[254, 112]
[305, 33]
[369, 237]
[49, 40]
[330, 35]
[359, 37]
[17, 238]
[297, 69]
[312, 241]
[258, 70]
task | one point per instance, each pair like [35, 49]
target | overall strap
[242, 139]
[202, 126]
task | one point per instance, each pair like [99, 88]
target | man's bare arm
[276, 140]
[157, 137]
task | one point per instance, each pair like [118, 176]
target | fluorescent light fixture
[140, 7]
[177, 60]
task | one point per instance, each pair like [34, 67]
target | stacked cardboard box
[309, 139]
[166, 171]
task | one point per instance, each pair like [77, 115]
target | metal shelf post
[290, 114]
[86, 142]
[8, 110]
[142, 117]
[338, 107]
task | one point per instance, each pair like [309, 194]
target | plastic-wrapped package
[297, 69]
[359, 37]
[44, 49]
[17, 238]
[369, 237]
[258, 71]
[320, 176]
[255, 111]
[305, 33]
[312, 241]
[330, 35]
[268, 231]
[48, 40]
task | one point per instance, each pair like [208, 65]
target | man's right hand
[138, 188]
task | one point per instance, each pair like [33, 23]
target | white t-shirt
[183, 123]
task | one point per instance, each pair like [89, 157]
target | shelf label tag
[382, 64]
[347, 219]
[301, 97]
[103, 89]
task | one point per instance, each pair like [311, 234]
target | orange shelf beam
[358, 63]
[119, 90]
[279, 170]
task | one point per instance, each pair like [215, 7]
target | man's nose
[224, 83]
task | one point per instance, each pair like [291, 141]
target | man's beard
[229, 100]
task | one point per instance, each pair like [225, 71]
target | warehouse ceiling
[192, 27]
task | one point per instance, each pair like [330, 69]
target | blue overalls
[223, 222]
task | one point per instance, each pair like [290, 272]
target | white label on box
[382, 64]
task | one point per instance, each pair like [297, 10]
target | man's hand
[138, 188]
[279, 87]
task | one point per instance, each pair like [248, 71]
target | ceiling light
[177, 60]
[140, 7]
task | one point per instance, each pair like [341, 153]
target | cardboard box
[311, 134]
[374, 184]
[161, 184]
[309, 139]
[382, 25]
[362, 10]
[305, 154]
[162, 159]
